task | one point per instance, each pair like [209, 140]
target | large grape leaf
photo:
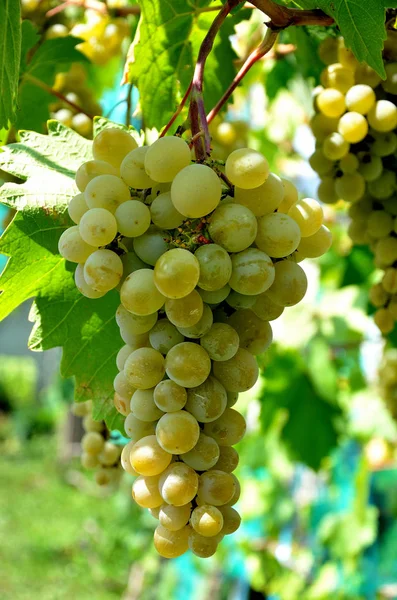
[86, 329]
[10, 53]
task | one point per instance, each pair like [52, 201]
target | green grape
[264, 199]
[131, 263]
[252, 272]
[122, 355]
[92, 442]
[81, 409]
[137, 429]
[121, 404]
[92, 169]
[290, 196]
[371, 166]
[185, 312]
[326, 191]
[290, 284]
[148, 458]
[390, 206]
[215, 267]
[265, 308]
[308, 214]
[389, 280]
[122, 386]
[328, 50]
[379, 224]
[171, 544]
[151, 245]
[139, 293]
[103, 270]
[322, 126]
[166, 158]
[236, 300]
[278, 234]
[144, 368]
[109, 455]
[125, 459]
[83, 286]
[231, 520]
[228, 429]
[169, 396]
[215, 487]
[177, 432]
[386, 251]
[132, 169]
[378, 296]
[174, 518]
[133, 218]
[145, 492]
[143, 407]
[237, 491]
[337, 76]
[221, 342]
[360, 98]
[366, 75]
[384, 144]
[106, 191]
[350, 187]
[201, 546]
[383, 116]
[89, 424]
[357, 232]
[384, 186]
[207, 401]
[246, 168]
[390, 84]
[82, 124]
[98, 227]
[360, 211]
[65, 116]
[89, 461]
[320, 163]
[233, 226]
[331, 102]
[201, 327]
[72, 247]
[77, 207]
[335, 147]
[112, 145]
[207, 520]
[255, 334]
[178, 484]
[354, 126]
[314, 245]
[164, 213]
[204, 455]
[188, 364]
[349, 163]
[384, 320]
[228, 459]
[136, 340]
[346, 56]
[237, 374]
[216, 296]
[176, 273]
[164, 336]
[196, 191]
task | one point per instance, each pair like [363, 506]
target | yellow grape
[196, 191]
[265, 308]
[145, 491]
[132, 169]
[122, 386]
[204, 455]
[177, 432]
[201, 546]
[201, 327]
[174, 518]
[239, 373]
[207, 401]
[215, 487]
[176, 273]
[106, 191]
[188, 364]
[134, 325]
[133, 218]
[228, 459]
[290, 196]
[186, 311]
[137, 429]
[331, 102]
[148, 457]
[207, 520]
[278, 234]
[221, 342]
[77, 207]
[178, 484]
[144, 368]
[315, 245]
[171, 544]
[255, 334]
[252, 272]
[112, 145]
[164, 214]
[228, 429]
[233, 226]
[72, 247]
[169, 396]
[264, 199]
[231, 520]
[91, 169]
[246, 168]
[139, 293]
[143, 407]
[354, 126]
[83, 286]
[290, 284]
[98, 227]
[166, 157]
[215, 267]
[103, 270]
[308, 214]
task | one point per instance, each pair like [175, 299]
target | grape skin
[112, 145]
[103, 270]
[246, 168]
[176, 273]
[252, 272]
[196, 191]
[278, 234]
[233, 226]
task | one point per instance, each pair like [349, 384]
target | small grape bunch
[203, 261]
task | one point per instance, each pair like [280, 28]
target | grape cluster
[356, 150]
[203, 261]
[387, 380]
[98, 452]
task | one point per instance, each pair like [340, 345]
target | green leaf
[86, 329]
[30, 37]
[10, 55]
[321, 369]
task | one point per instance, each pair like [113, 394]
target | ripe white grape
[164, 335]
[92, 442]
[166, 157]
[148, 458]
[252, 272]
[72, 247]
[221, 342]
[207, 520]
[335, 147]
[379, 224]
[389, 280]
[112, 145]
[122, 405]
[177, 432]
[125, 459]
[290, 196]
[134, 325]
[207, 401]
[185, 312]
[81, 409]
[384, 186]
[176, 273]
[350, 187]
[337, 76]
[89, 424]
[320, 163]
[233, 226]
[132, 169]
[215, 267]
[231, 519]
[109, 454]
[145, 491]
[255, 334]
[290, 284]
[265, 308]
[131, 262]
[239, 373]
[103, 270]
[383, 116]
[228, 429]
[246, 168]
[122, 386]
[323, 126]
[91, 169]
[178, 484]
[151, 245]
[144, 368]
[315, 245]
[201, 546]
[137, 429]
[264, 199]
[349, 163]
[204, 455]
[98, 227]
[83, 286]
[188, 364]
[89, 461]
[106, 191]
[133, 218]
[139, 293]
[216, 487]
[360, 98]
[354, 126]
[171, 544]
[236, 300]
[196, 191]
[169, 396]
[331, 102]
[308, 214]
[278, 234]
[384, 144]
[174, 518]
[77, 207]
[201, 327]
[143, 407]
[370, 167]
[228, 459]
[216, 296]
[164, 213]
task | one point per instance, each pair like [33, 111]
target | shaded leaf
[10, 54]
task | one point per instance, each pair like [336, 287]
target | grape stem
[282, 17]
[57, 94]
[178, 111]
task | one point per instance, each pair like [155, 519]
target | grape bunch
[355, 127]
[98, 452]
[387, 380]
[203, 260]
